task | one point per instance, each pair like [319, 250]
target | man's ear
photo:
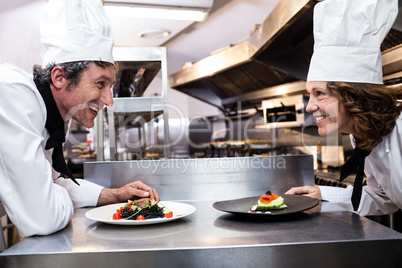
[58, 77]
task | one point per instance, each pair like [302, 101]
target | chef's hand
[133, 190]
[310, 191]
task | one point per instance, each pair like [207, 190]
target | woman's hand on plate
[309, 191]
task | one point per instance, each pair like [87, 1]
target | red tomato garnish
[140, 218]
[169, 214]
[117, 216]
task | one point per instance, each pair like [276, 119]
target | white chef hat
[75, 30]
[348, 35]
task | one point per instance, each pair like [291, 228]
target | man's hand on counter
[133, 190]
[310, 191]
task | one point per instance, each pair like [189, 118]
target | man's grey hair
[73, 71]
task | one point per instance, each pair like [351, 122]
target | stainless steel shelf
[136, 111]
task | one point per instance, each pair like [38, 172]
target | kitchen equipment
[284, 112]
[139, 67]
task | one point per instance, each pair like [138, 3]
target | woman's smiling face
[327, 109]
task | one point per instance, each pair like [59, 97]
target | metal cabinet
[138, 66]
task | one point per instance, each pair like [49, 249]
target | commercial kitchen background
[221, 112]
[211, 128]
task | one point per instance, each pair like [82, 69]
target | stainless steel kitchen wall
[207, 178]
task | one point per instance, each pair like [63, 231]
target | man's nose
[107, 97]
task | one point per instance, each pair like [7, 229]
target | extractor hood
[273, 62]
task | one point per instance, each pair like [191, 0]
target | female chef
[347, 95]
[74, 83]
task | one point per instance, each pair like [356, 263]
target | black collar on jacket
[57, 128]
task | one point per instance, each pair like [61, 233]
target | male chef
[74, 82]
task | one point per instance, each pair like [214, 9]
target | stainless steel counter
[326, 235]
[210, 238]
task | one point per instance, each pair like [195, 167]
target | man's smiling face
[83, 101]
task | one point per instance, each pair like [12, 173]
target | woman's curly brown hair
[372, 110]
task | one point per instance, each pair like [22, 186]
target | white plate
[104, 214]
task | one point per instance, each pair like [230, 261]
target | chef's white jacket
[35, 199]
[383, 168]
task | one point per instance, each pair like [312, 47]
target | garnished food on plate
[269, 201]
[142, 209]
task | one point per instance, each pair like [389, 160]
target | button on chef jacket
[35, 199]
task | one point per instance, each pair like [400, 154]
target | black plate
[295, 203]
